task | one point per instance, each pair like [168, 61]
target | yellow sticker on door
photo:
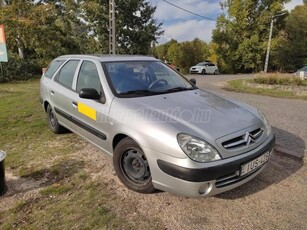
[87, 111]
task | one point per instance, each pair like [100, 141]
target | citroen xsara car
[161, 130]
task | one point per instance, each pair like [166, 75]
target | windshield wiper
[139, 92]
[177, 89]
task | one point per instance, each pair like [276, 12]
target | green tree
[173, 53]
[290, 52]
[30, 32]
[183, 55]
[137, 28]
[296, 29]
[161, 51]
[242, 34]
[39, 30]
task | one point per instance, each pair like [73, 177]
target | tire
[53, 122]
[131, 166]
[216, 72]
[203, 72]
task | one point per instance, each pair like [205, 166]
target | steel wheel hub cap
[135, 166]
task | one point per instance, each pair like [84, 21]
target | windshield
[201, 64]
[144, 78]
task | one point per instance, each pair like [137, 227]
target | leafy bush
[19, 69]
[278, 80]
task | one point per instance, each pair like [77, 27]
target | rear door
[46, 79]
[62, 93]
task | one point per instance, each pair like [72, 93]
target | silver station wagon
[162, 131]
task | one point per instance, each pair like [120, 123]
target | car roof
[108, 58]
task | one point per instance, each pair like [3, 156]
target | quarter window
[88, 77]
[52, 68]
[67, 73]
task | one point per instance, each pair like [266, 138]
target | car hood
[195, 112]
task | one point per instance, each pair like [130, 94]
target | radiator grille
[243, 141]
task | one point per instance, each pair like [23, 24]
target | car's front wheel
[53, 121]
[131, 166]
[203, 72]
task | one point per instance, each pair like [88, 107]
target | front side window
[52, 68]
[67, 73]
[88, 77]
[144, 78]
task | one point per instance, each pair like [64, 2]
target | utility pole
[269, 47]
[269, 43]
[112, 36]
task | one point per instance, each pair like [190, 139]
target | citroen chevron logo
[248, 138]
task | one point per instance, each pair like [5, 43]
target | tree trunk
[20, 48]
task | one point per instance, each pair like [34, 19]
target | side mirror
[89, 93]
[193, 81]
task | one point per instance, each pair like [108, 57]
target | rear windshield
[53, 67]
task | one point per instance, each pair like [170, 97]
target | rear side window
[52, 68]
[67, 73]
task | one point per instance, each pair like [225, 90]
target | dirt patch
[18, 189]
[274, 199]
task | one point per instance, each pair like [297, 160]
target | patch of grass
[24, 134]
[66, 207]
[68, 197]
[239, 86]
[34, 152]
[278, 79]
[56, 189]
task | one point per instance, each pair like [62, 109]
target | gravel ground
[275, 199]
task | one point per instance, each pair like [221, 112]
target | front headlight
[198, 150]
[268, 128]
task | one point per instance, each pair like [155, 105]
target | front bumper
[188, 178]
[195, 71]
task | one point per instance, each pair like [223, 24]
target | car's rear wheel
[216, 72]
[53, 121]
[131, 166]
[203, 72]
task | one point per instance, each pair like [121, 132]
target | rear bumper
[172, 174]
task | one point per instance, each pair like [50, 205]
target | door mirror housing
[89, 93]
[193, 81]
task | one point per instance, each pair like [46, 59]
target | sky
[182, 26]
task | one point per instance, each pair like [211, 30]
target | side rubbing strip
[81, 124]
[87, 111]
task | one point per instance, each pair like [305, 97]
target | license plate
[255, 164]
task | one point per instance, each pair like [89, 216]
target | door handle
[75, 104]
[52, 92]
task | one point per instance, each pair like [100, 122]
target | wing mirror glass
[89, 93]
[193, 81]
